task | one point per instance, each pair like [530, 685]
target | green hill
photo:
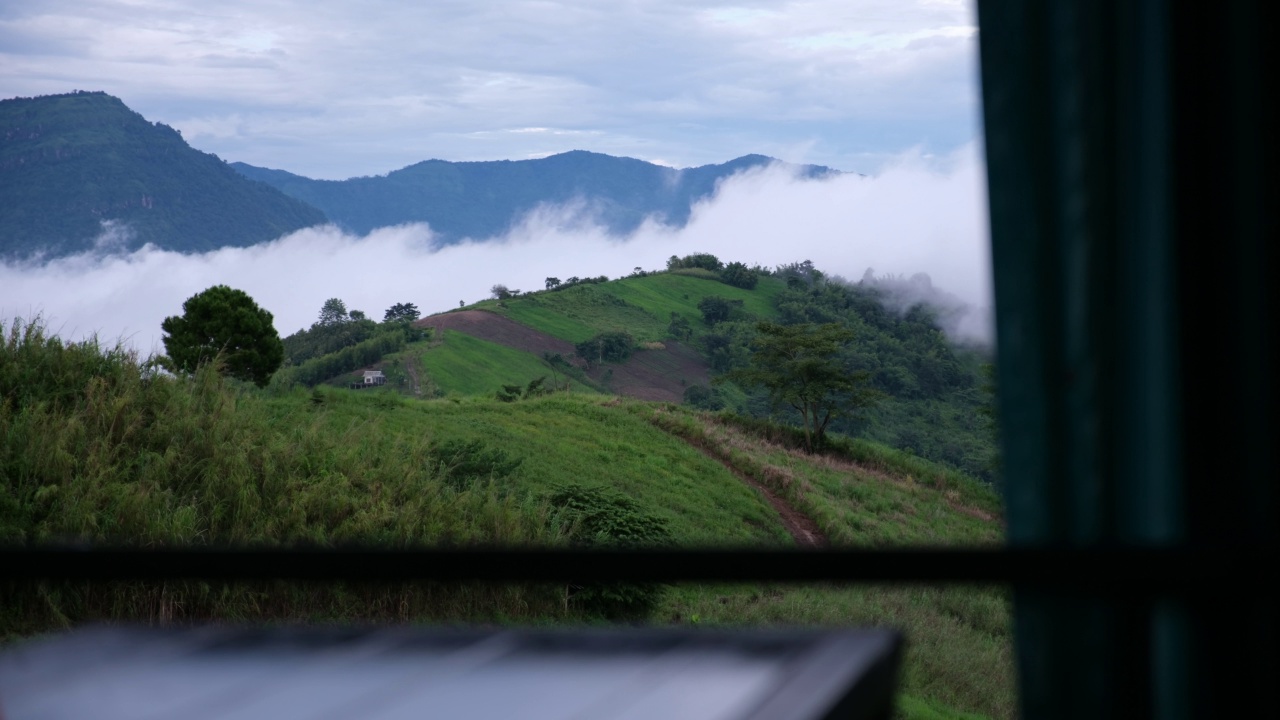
[70, 163]
[96, 446]
[934, 395]
[483, 199]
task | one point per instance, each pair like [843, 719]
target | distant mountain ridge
[73, 165]
[484, 199]
[81, 168]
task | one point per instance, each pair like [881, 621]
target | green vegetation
[614, 346]
[95, 446]
[600, 517]
[934, 395]
[797, 366]
[76, 161]
[226, 324]
[469, 366]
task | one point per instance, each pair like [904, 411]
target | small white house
[374, 377]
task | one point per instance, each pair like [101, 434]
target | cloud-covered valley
[921, 214]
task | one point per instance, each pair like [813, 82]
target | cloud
[923, 214]
[331, 89]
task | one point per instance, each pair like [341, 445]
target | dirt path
[801, 527]
[411, 367]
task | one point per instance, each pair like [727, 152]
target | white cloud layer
[334, 89]
[920, 215]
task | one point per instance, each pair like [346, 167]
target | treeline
[388, 339]
[735, 273]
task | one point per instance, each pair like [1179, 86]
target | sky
[335, 90]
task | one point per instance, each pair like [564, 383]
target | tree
[610, 346]
[799, 366]
[401, 312]
[679, 327]
[500, 291]
[717, 309]
[333, 312]
[553, 283]
[704, 261]
[227, 321]
[357, 315]
[739, 275]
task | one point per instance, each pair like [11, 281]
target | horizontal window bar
[1182, 570]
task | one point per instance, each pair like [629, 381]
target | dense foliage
[933, 389]
[386, 339]
[82, 166]
[226, 324]
[798, 365]
[599, 517]
[613, 346]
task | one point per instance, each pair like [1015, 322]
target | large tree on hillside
[333, 312]
[227, 321]
[401, 312]
[799, 366]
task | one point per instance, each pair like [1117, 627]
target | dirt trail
[802, 528]
[411, 367]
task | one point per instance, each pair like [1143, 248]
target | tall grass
[96, 447]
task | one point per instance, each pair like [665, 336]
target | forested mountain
[482, 199]
[82, 167]
[74, 165]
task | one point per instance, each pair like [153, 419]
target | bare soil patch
[658, 375]
[498, 329]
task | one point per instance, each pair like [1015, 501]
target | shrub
[703, 397]
[612, 346]
[739, 275]
[704, 261]
[716, 309]
[462, 462]
[598, 517]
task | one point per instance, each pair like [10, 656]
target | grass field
[641, 306]
[584, 438]
[665, 293]
[466, 365]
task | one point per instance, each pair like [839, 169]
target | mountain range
[81, 169]
[483, 199]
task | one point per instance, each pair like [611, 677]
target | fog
[922, 214]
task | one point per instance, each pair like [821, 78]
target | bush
[739, 275]
[703, 397]
[613, 346]
[462, 462]
[716, 309]
[602, 518]
[703, 261]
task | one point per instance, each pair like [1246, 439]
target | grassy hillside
[639, 305]
[95, 446]
[466, 365]
[933, 395]
[70, 162]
